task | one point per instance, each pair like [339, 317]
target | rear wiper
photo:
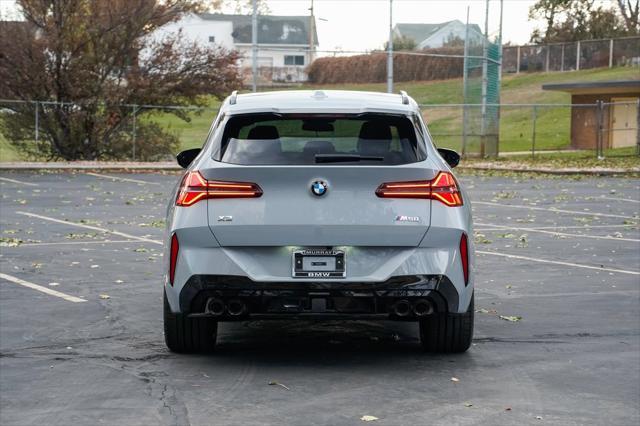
[345, 158]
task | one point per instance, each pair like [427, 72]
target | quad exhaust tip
[236, 307]
[422, 307]
[215, 306]
[402, 308]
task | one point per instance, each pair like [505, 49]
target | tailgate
[289, 214]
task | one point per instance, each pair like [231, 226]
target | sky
[364, 24]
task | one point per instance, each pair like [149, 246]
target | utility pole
[390, 49]
[254, 46]
[312, 44]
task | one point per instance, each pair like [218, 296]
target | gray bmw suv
[319, 204]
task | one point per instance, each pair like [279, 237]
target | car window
[365, 139]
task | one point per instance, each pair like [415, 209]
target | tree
[631, 15]
[571, 20]
[89, 62]
[547, 10]
[401, 42]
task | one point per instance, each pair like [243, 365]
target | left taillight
[443, 188]
[195, 187]
[175, 247]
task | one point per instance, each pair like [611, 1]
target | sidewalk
[92, 165]
[523, 167]
[127, 166]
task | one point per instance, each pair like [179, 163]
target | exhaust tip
[401, 308]
[236, 307]
[422, 307]
[215, 306]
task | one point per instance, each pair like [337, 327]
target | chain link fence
[578, 55]
[601, 128]
[28, 129]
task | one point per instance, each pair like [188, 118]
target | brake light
[464, 257]
[175, 247]
[443, 188]
[194, 188]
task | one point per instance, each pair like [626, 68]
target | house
[429, 36]
[619, 117]
[283, 41]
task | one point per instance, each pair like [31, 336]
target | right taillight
[195, 187]
[464, 257]
[443, 188]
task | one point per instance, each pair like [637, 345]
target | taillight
[464, 257]
[443, 188]
[194, 188]
[175, 247]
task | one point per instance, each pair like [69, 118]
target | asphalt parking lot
[557, 337]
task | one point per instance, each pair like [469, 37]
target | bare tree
[91, 57]
[631, 14]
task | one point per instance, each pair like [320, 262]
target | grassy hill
[552, 124]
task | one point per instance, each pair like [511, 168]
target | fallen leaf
[368, 418]
[510, 318]
[105, 296]
[274, 383]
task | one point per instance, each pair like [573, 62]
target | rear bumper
[319, 299]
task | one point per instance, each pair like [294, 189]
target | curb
[126, 167]
[591, 172]
[92, 166]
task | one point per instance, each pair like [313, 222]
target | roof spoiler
[405, 97]
[233, 98]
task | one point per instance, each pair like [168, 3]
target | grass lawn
[445, 123]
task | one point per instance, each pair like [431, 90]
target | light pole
[254, 46]
[390, 51]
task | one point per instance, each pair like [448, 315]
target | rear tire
[448, 333]
[187, 335]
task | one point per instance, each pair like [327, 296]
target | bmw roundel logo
[319, 188]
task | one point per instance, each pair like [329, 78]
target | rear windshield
[364, 139]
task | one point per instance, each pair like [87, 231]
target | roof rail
[405, 97]
[233, 98]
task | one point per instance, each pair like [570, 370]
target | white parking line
[94, 228]
[584, 227]
[70, 243]
[42, 289]
[555, 262]
[596, 237]
[121, 179]
[628, 200]
[18, 181]
[487, 203]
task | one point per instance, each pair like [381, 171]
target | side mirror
[186, 157]
[450, 156]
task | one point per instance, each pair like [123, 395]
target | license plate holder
[319, 263]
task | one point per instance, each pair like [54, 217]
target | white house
[283, 41]
[436, 35]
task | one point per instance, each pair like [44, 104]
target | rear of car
[329, 205]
